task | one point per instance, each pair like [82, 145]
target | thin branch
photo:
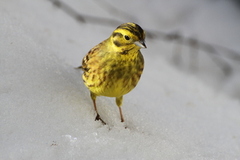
[81, 18]
[112, 10]
[211, 49]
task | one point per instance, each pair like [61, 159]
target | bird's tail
[80, 67]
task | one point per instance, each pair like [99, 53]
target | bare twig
[211, 49]
[115, 11]
[84, 18]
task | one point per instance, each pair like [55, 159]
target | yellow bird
[113, 67]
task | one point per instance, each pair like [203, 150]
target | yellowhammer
[113, 67]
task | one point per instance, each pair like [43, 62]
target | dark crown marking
[134, 29]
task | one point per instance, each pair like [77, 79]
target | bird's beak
[141, 44]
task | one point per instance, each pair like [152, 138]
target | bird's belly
[115, 85]
[118, 88]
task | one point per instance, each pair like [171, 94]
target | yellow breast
[114, 74]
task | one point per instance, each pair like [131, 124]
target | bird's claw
[98, 118]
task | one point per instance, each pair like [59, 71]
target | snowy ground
[46, 111]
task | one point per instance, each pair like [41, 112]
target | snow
[46, 111]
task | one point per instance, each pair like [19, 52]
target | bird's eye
[126, 37]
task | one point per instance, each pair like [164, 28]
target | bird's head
[128, 35]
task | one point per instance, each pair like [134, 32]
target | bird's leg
[98, 118]
[120, 110]
[119, 104]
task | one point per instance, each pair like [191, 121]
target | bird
[113, 67]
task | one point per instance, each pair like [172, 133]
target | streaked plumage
[114, 67]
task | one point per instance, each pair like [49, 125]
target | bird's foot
[98, 118]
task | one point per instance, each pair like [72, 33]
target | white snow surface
[46, 112]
